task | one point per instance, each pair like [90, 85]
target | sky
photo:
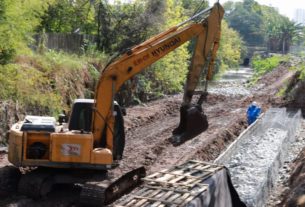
[286, 7]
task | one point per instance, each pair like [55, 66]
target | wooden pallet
[172, 187]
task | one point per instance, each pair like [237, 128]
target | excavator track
[9, 177]
[101, 194]
[93, 195]
[35, 184]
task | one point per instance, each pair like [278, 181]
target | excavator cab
[81, 120]
[81, 115]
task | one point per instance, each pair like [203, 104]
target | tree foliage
[191, 7]
[232, 48]
[246, 18]
[279, 30]
[121, 25]
[171, 70]
[117, 26]
[66, 16]
[168, 74]
[262, 25]
[18, 20]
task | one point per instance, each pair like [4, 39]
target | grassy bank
[48, 83]
[262, 65]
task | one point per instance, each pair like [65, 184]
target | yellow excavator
[93, 139]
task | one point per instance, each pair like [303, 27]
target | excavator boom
[206, 33]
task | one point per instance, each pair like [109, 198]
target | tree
[18, 20]
[66, 16]
[133, 23]
[246, 18]
[261, 25]
[171, 71]
[289, 31]
[231, 49]
[279, 30]
[103, 19]
[120, 25]
[191, 7]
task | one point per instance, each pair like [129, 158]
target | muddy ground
[149, 128]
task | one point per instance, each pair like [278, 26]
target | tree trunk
[283, 46]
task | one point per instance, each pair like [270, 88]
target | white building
[299, 16]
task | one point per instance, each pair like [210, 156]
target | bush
[231, 50]
[6, 55]
[29, 87]
[46, 84]
[264, 65]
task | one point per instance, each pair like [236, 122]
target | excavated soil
[149, 128]
[295, 193]
[149, 146]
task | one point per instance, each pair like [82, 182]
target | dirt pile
[144, 114]
[269, 87]
[296, 95]
[295, 193]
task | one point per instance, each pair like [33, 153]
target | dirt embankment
[149, 145]
[295, 194]
[149, 128]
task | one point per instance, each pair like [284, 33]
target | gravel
[232, 83]
[255, 158]
[282, 185]
[253, 161]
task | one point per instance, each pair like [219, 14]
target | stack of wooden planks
[176, 186]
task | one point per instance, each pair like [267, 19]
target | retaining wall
[255, 158]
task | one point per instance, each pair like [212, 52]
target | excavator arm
[138, 58]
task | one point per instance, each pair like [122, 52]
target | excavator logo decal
[166, 46]
[141, 59]
[70, 149]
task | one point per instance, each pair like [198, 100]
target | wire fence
[71, 43]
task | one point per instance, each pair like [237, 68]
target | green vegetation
[18, 21]
[262, 66]
[246, 18]
[280, 32]
[232, 48]
[301, 68]
[262, 25]
[45, 82]
[170, 72]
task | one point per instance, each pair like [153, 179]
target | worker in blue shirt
[253, 112]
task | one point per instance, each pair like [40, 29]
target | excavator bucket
[192, 122]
